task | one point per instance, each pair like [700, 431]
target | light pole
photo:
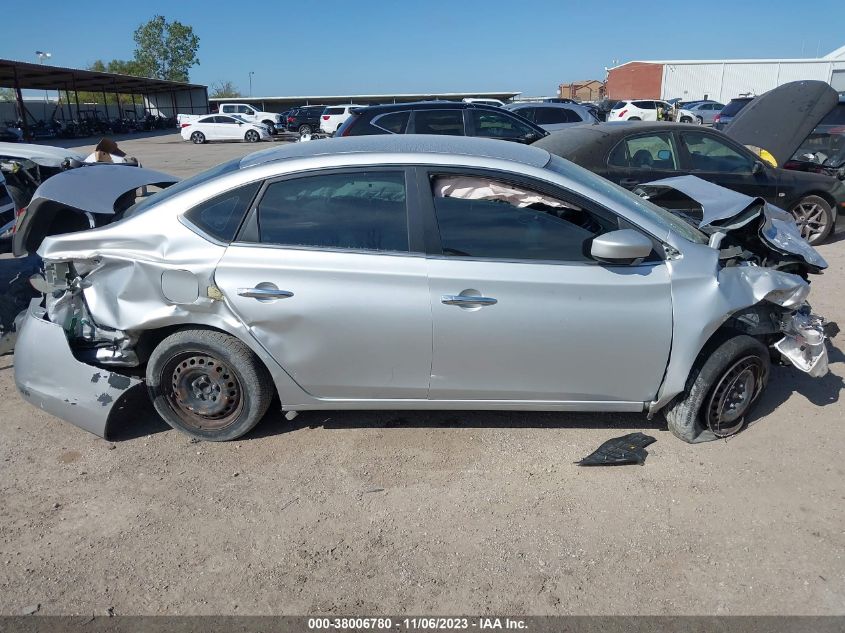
[251, 73]
[41, 57]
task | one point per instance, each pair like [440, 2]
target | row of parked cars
[398, 270]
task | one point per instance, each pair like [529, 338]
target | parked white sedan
[218, 127]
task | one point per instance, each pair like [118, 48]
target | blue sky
[363, 46]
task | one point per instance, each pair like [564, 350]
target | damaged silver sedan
[414, 272]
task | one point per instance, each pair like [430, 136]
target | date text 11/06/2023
[415, 624]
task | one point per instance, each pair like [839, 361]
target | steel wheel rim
[732, 396]
[811, 219]
[203, 392]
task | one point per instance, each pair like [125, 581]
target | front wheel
[814, 218]
[699, 120]
[720, 391]
[208, 385]
[252, 136]
[686, 119]
[198, 138]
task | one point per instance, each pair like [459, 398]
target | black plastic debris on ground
[628, 449]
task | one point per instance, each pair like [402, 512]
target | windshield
[628, 199]
[182, 185]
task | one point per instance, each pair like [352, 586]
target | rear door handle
[264, 293]
[467, 301]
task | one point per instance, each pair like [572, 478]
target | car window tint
[450, 122]
[208, 119]
[362, 211]
[221, 216]
[650, 151]
[394, 122]
[708, 153]
[498, 125]
[479, 217]
[225, 119]
[644, 105]
[333, 111]
[550, 116]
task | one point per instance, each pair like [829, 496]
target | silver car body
[377, 330]
[703, 112]
[542, 113]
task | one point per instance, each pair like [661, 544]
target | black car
[823, 151]
[441, 117]
[630, 154]
[304, 120]
[726, 115]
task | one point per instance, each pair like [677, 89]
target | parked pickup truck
[245, 111]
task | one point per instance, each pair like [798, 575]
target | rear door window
[648, 151]
[550, 116]
[449, 122]
[644, 105]
[358, 211]
[393, 122]
[490, 124]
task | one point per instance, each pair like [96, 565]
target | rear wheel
[304, 129]
[721, 391]
[699, 120]
[198, 138]
[814, 218]
[252, 136]
[686, 119]
[208, 385]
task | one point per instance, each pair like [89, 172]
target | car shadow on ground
[134, 416]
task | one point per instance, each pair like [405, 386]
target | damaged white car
[420, 272]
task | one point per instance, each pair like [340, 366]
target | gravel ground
[427, 512]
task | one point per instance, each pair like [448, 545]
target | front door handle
[467, 301]
[264, 293]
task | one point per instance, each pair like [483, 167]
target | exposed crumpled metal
[719, 204]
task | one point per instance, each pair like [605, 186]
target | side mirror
[621, 247]
[758, 168]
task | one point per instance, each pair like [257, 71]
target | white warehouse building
[720, 80]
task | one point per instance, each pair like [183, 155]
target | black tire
[215, 373]
[686, 119]
[699, 120]
[736, 368]
[304, 129]
[271, 127]
[634, 118]
[198, 138]
[252, 136]
[814, 217]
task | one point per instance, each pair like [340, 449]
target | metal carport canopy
[24, 75]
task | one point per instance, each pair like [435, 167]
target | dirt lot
[446, 513]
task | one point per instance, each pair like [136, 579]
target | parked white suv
[639, 110]
[334, 116]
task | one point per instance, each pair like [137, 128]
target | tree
[7, 94]
[224, 89]
[165, 50]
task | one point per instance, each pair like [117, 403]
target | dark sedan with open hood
[631, 154]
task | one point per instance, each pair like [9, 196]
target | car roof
[403, 144]
[588, 144]
[430, 105]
